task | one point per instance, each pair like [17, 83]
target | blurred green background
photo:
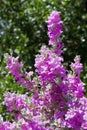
[23, 31]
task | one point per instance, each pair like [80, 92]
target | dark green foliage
[23, 27]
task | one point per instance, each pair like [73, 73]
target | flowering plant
[54, 99]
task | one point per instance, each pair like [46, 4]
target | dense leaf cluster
[23, 28]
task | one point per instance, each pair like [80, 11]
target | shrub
[54, 98]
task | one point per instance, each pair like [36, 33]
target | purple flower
[77, 66]
[54, 99]
[54, 27]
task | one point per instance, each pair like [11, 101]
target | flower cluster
[54, 27]
[57, 100]
[16, 70]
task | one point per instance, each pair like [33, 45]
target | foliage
[23, 27]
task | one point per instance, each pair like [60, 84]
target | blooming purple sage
[57, 100]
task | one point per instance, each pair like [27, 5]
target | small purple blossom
[77, 66]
